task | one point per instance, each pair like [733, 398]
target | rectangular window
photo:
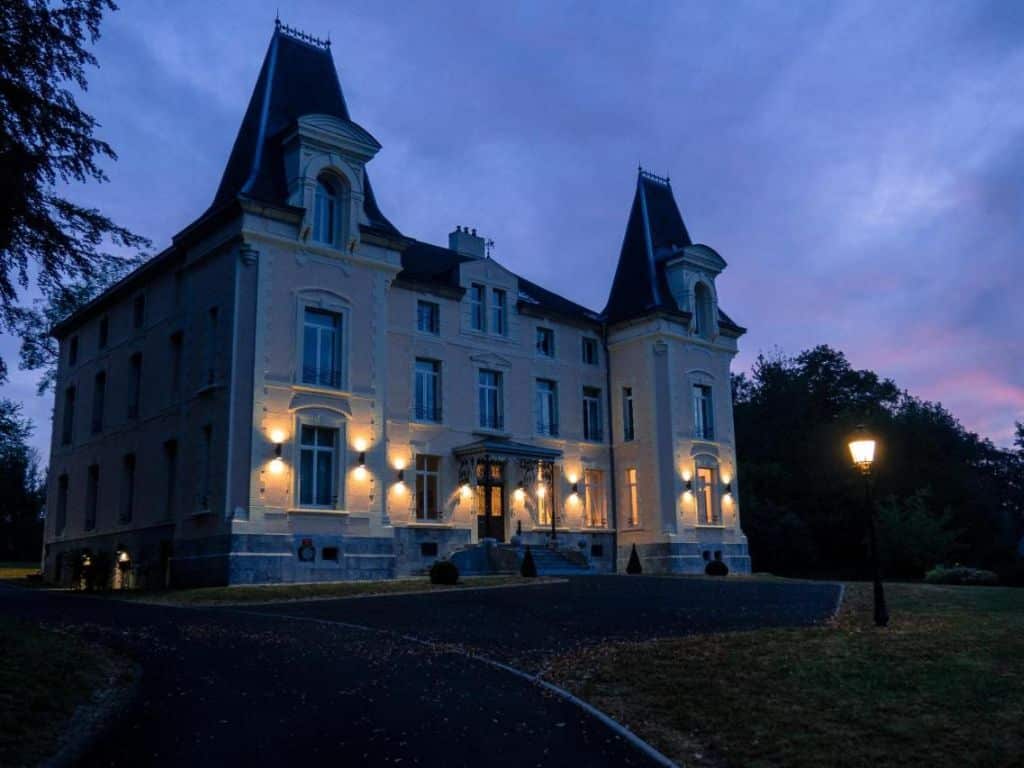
[703, 418]
[210, 352]
[62, 505]
[171, 477]
[633, 496]
[428, 390]
[490, 400]
[205, 467]
[589, 351]
[127, 489]
[427, 481]
[177, 353]
[321, 348]
[707, 512]
[134, 385]
[73, 350]
[68, 427]
[477, 308]
[92, 496]
[545, 342]
[428, 317]
[628, 432]
[547, 407]
[139, 311]
[592, 414]
[499, 312]
[543, 506]
[104, 332]
[99, 400]
[594, 509]
[317, 464]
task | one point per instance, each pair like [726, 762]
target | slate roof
[655, 232]
[297, 78]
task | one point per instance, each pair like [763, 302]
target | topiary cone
[633, 567]
[529, 568]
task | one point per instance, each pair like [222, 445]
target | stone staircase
[551, 562]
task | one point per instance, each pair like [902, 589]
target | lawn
[45, 676]
[943, 685]
[318, 591]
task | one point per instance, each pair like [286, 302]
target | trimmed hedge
[961, 575]
[529, 568]
[444, 572]
[633, 567]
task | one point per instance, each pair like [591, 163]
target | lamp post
[862, 450]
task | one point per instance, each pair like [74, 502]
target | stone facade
[295, 391]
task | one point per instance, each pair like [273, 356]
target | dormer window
[702, 306]
[326, 212]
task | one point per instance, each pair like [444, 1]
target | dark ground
[262, 685]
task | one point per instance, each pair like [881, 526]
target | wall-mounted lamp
[689, 486]
[361, 463]
[401, 476]
[520, 493]
[277, 463]
[575, 489]
[728, 489]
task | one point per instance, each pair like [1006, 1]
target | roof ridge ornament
[298, 34]
[664, 180]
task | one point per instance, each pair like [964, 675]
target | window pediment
[490, 360]
[344, 135]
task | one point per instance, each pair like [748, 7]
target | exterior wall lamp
[728, 489]
[689, 486]
[520, 492]
[362, 460]
[401, 476]
[576, 489]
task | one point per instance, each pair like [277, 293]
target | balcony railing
[321, 377]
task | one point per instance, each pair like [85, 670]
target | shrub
[528, 568]
[633, 567]
[716, 568]
[444, 572]
[961, 575]
[97, 575]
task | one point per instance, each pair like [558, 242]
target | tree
[46, 140]
[21, 488]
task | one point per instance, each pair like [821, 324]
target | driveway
[297, 683]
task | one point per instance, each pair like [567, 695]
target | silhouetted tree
[529, 568]
[21, 488]
[47, 141]
[633, 567]
[801, 501]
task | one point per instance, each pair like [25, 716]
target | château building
[294, 390]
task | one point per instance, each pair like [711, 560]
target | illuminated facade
[296, 391]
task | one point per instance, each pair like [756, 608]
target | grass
[943, 685]
[325, 590]
[44, 677]
[17, 571]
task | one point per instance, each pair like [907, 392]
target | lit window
[594, 510]
[703, 413]
[545, 342]
[499, 318]
[634, 502]
[490, 399]
[592, 414]
[707, 509]
[547, 407]
[317, 447]
[325, 213]
[428, 390]
[321, 348]
[427, 477]
[589, 351]
[428, 317]
[477, 308]
[628, 431]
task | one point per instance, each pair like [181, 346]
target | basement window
[329, 553]
[428, 549]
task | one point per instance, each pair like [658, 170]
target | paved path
[288, 683]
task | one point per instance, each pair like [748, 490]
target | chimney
[467, 242]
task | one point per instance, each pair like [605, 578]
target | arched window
[702, 307]
[326, 212]
[706, 493]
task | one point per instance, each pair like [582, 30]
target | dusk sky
[858, 164]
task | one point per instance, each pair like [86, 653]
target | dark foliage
[528, 568]
[444, 572]
[99, 572]
[716, 568]
[961, 575]
[633, 567]
[944, 492]
[22, 490]
[47, 142]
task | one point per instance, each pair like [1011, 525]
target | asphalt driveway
[295, 683]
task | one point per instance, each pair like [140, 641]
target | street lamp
[862, 451]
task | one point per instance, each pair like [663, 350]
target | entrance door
[490, 500]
